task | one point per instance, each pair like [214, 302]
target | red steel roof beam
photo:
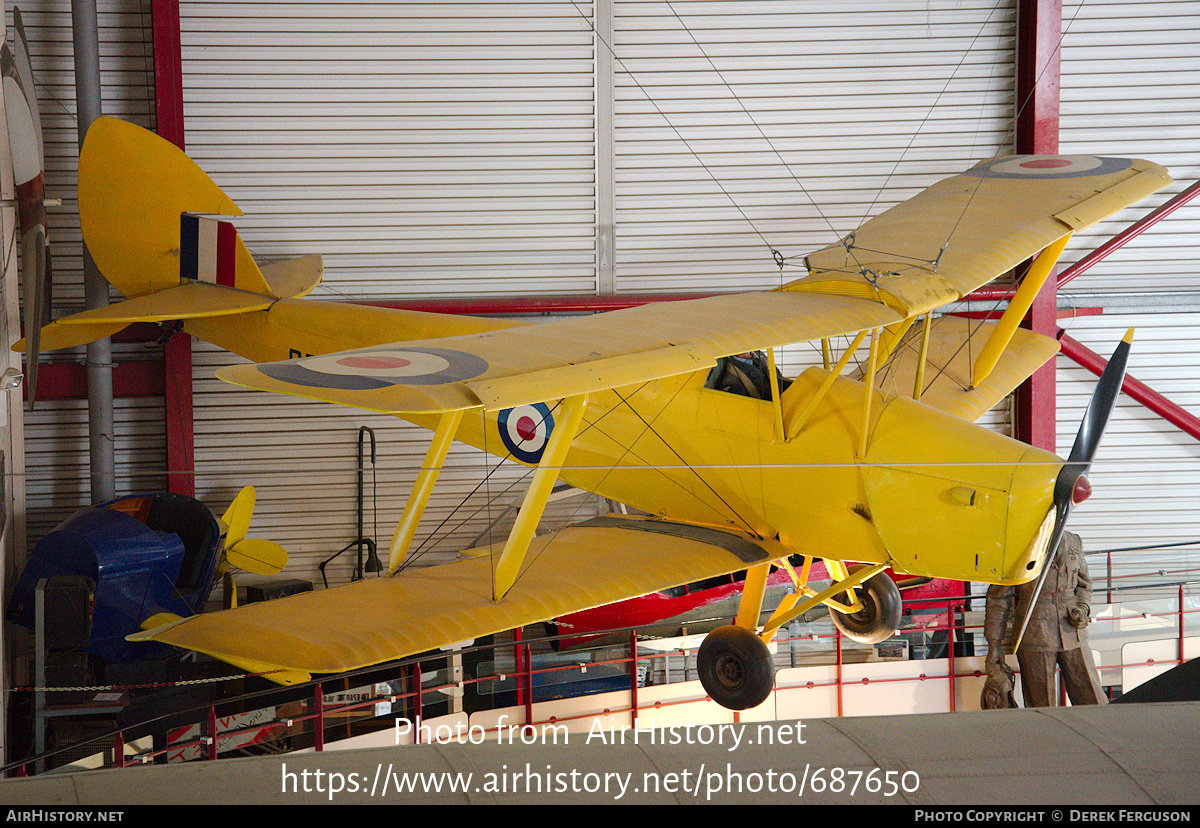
[1133, 231]
[1139, 391]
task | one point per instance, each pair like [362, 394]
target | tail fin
[138, 199]
[146, 213]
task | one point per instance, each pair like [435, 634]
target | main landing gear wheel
[879, 617]
[735, 668]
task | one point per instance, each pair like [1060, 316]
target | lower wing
[945, 381]
[376, 620]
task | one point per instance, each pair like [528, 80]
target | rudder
[143, 209]
[147, 212]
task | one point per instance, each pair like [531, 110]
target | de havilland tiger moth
[857, 470]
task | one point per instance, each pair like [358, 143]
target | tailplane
[150, 219]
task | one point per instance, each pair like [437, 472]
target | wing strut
[1020, 304]
[836, 372]
[776, 398]
[539, 493]
[443, 436]
[919, 381]
[869, 380]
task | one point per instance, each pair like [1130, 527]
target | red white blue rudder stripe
[207, 250]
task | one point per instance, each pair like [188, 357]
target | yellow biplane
[861, 471]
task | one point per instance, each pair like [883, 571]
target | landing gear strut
[735, 668]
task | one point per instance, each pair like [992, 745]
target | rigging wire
[678, 134]
[1017, 116]
[755, 123]
[928, 115]
[432, 540]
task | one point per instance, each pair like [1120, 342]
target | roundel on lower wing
[378, 368]
[1049, 166]
[525, 429]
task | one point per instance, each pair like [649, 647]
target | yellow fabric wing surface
[531, 363]
[947, 380]
[963, 232]
[934, 248]
[382, 619]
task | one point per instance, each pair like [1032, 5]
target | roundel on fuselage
[525, 429]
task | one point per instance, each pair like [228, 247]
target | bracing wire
[674, 129]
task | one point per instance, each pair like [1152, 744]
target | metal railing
[309, 727]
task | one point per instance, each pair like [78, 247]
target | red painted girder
[1136, 389]
[68, 381]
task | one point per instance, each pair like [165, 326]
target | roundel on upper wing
[1049, 166]
[525, 429]
[378, 368]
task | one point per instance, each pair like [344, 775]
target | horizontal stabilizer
[293, 278]
[186, 301]
[583, 566]
[56, 336]
[954, 342]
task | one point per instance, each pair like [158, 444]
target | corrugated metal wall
[437, 149]
[56, 432]
[1130, 82]
[423, 149]
[746, 126]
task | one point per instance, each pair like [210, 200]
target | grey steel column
[605, 90]
[95, 288]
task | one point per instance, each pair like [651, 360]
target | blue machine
[144, 555]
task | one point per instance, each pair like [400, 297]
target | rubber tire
[879, 618]
[735, 667]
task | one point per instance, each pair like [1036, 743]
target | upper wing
[934, 248]
[962, 232]
[421, 609]
[531, 363]
[966, 231]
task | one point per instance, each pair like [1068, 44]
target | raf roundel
[1049, 166]
[378, 368]
[525, 429]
